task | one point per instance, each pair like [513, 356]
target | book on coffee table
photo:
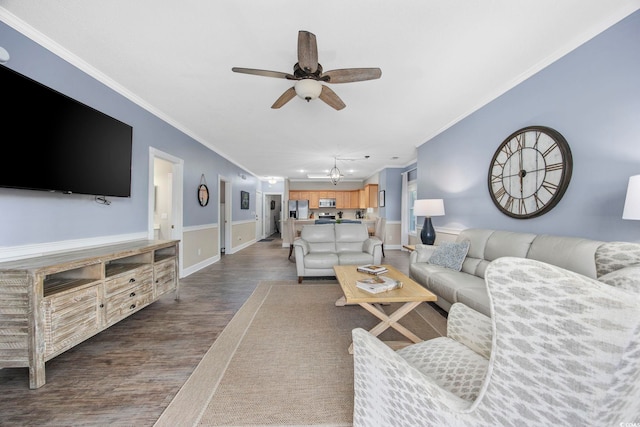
[378, 284]
[372, 269]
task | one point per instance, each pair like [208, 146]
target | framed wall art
[244, 200]
[381, 199]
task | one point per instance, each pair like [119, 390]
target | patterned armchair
[565, 350]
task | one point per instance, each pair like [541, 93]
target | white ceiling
[440, 59]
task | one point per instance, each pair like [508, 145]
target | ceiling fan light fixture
[308, 89]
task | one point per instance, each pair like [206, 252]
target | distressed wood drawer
[128, 280]
[131, 300]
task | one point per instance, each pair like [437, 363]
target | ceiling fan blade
[348, 75]
[307, 51]
[287, 96]
[330, 97]
[265, 73]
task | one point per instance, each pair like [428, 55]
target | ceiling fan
[308, 74]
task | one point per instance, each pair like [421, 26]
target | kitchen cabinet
[304, 195]
[353, 199]
[371, 196]
[51, 303]
[314, 200]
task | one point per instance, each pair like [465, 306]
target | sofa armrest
[422, 253]
[370, 244]
[384, 381]
[302, 244]
[471, 328]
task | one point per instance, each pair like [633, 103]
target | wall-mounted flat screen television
[52, 142]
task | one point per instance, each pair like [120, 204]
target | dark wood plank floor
[128, 374]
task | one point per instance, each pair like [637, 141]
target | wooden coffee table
[411, 294]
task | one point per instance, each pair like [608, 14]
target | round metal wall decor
[530, 172]
[203, 194]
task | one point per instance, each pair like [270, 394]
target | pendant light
[334, 173]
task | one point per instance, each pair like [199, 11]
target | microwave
[327, 203]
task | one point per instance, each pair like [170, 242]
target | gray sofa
[322, 246]
[468, 285]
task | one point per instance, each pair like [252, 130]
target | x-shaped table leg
[391, 321]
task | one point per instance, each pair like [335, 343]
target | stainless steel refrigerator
[299, 209]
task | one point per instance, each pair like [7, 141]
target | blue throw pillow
[450, 255]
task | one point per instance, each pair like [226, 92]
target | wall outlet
[199, 251]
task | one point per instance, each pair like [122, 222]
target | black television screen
[55, 143]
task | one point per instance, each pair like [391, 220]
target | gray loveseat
[590, 258]
[322, 246]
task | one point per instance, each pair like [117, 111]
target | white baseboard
[241, 247]
[199, 266]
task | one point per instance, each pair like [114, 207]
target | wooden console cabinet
[51, 303]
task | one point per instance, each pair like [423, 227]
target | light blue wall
[32, 217]
[592, 97]
[390, 180]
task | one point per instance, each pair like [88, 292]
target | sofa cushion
[355, 258]
[320, 238]
[317, 260]
[446, 283]
[627, 278]
[350, 237]
[507, 243]
[477, 241]
[571, 253]
[450, 255]
[476, 298]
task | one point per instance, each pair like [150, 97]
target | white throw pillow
[450, 255]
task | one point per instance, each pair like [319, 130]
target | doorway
[224, 214]
[165, 198]
[272, 213]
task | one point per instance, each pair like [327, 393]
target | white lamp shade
[4, 55]
[632, 202]
[428, 207]
[308, 89]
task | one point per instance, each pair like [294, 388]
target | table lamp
[632, 201]
[428, 208]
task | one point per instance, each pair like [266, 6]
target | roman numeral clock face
[530, 172]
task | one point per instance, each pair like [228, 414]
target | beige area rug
[283, 360]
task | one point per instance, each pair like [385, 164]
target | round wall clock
[530, 172]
